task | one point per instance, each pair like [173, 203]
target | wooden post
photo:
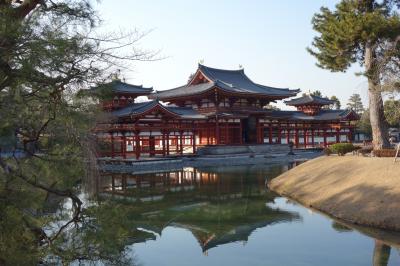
[337, 135]
[288, 136]
[226, 132]
[325, 142]
[279, 136]
[296, 138]
[305, 138]
[208, 133]
[181, 142]
[194, 141]
[137, 145]
[217, 133]
[167, 142]
[123, 146]
[163, 143]
[112, 145]
[270, 134]
[177, 144]
[241, 132]
[312, 138]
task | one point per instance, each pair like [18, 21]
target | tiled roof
[139, 108]
[310, 99]
[323, 115]
[122, 87]
[231, 81]
[183, 91]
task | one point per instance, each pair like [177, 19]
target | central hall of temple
[215, 107]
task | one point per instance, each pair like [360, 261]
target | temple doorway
[249, 131]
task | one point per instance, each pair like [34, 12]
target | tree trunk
[377, 118]
[381, 254]
[376, 111]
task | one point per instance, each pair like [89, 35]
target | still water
[227, 216]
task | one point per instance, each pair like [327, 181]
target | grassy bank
[356, 189]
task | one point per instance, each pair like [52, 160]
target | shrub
[327, 151]
[385, 153]
[342, 148]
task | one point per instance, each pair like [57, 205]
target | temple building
[216, 107]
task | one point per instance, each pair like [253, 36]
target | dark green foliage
[364, 32]
[47, 53]
[345, 31]
[364, 124]
[337, 103]
[342, 148]
[356, 104]
[327, 152]
[392, 112]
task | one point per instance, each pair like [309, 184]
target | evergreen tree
[356, 104]
[392, 112]
[365, 32]
[48, 51]
[337, 103]
[316, 93]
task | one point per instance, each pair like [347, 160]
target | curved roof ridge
[310, 99]
[220, 69]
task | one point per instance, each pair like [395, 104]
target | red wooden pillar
[226, 132]
[241, 132]
[181, 142]
[312, 138]
[288, 136]
[194, 141]
[350, 136]
[325, 142]
[217, 133]
[270, 134]
[177, 144]
[167, 139]
[137, 145]
[296, 138]
[152, 146]
[123, 146]
[279, 136]
[208, 134]
[163, 143]
[305, 138]
[112, 145]
[337, 135]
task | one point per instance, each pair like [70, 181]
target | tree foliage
[366, 32]
[392, 112]
[48, 51]
[337, 103]
[355, 103]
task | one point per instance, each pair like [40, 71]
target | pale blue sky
[268, 38]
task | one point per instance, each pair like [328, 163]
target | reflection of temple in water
[217, 205]
[204, 183]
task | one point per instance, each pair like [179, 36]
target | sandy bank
[359, 190]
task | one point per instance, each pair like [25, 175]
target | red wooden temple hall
[216, 107]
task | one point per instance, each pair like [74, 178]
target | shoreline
[145, 166]
[357, 190]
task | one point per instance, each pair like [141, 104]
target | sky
[268, 38]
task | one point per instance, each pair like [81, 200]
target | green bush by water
[342, 148]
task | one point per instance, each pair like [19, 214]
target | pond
[227, 216]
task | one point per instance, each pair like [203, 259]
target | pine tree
[356, 104]
[365, 32]
[48, 51]
[337, 103]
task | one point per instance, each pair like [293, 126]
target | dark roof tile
[232, 81]
[310, 100]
